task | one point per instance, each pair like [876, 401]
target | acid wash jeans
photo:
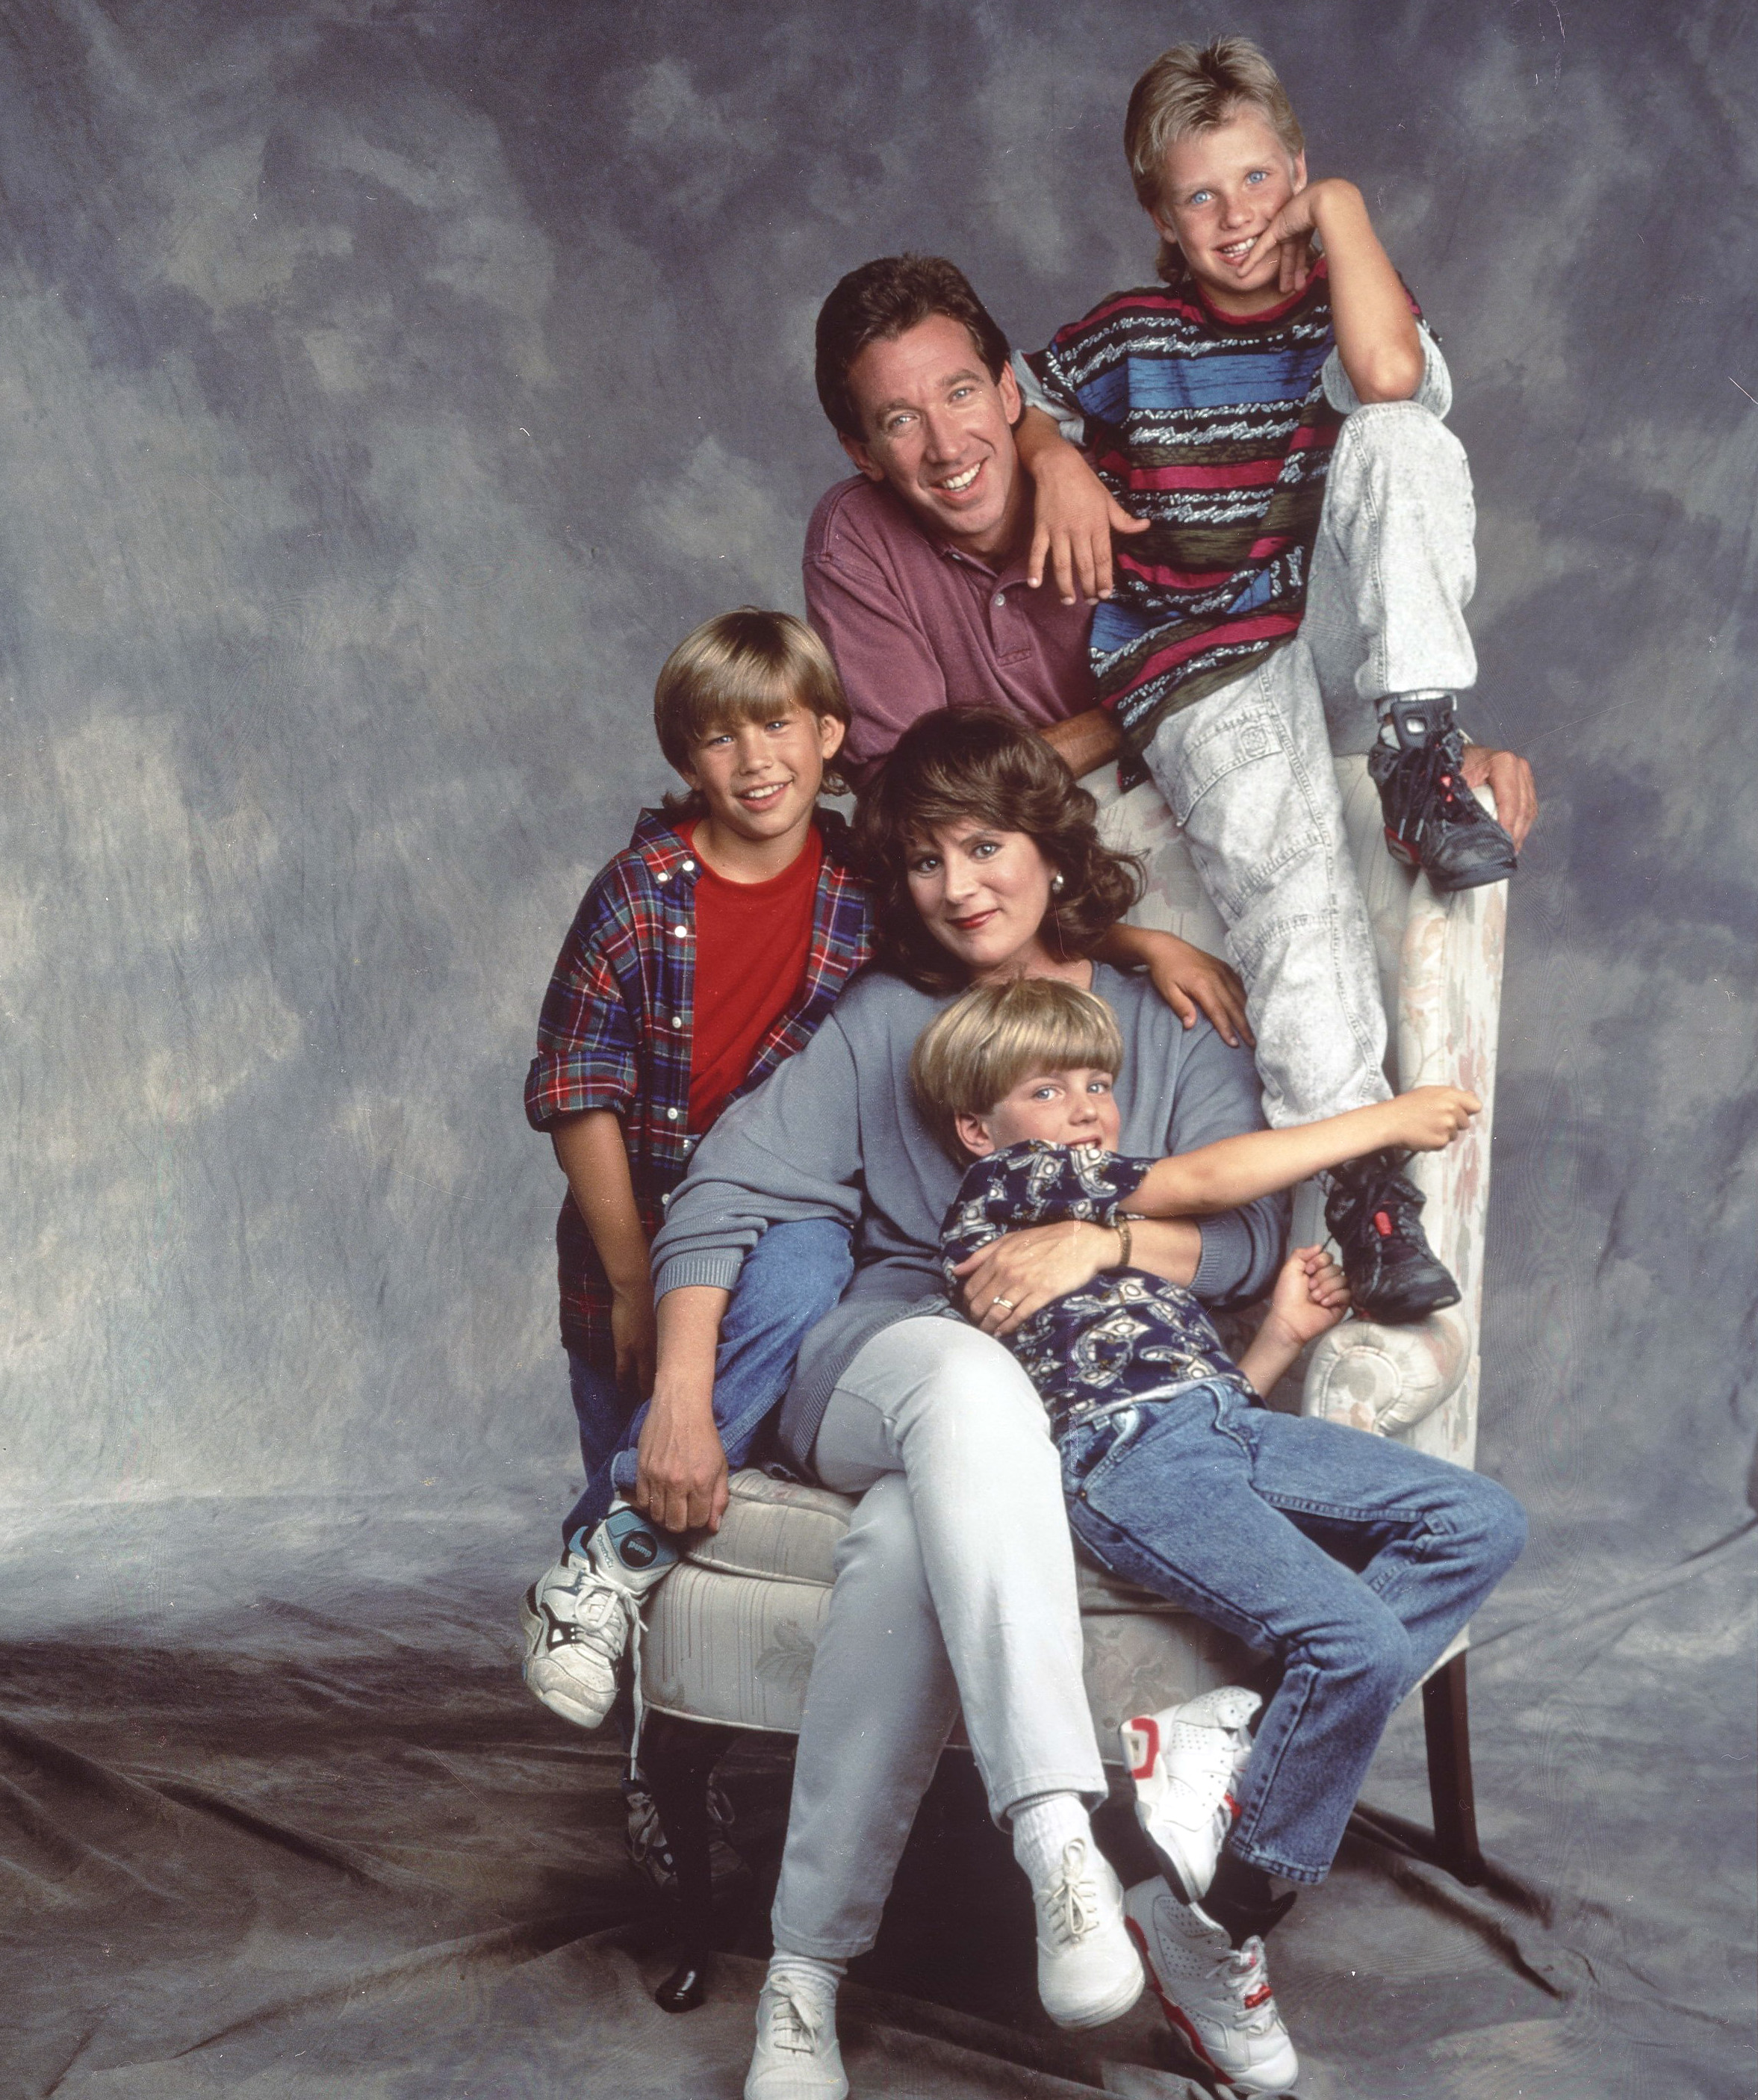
[1352, 1559]
[1246, 771]
[955, 1586]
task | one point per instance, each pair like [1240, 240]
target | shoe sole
[1405, 1312]
[1113, 2009]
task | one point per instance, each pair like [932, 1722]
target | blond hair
[975, 1052]
[739, 667]
[1198, 88]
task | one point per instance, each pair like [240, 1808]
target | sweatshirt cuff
[1226, 1258]
[717, 1268]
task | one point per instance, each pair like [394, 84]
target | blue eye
[1201, 196]
[1258, 175]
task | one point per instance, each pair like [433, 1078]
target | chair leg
[678, 1758]
[1446, 1723]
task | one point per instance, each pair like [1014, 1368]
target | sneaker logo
[1382, 1223]
[1140, 1737]
[1260, 1997]
[640, 1549]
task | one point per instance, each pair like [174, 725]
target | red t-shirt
[752, 940]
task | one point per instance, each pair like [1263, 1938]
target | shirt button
[671, 1115]
[680, 933]
[689, 867]
[677, 1021]
[662, 877]
[1000, 598]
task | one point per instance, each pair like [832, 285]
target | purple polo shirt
[915, 624]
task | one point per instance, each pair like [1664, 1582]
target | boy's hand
[1074, 515]
[1309, 1299]
[1509, 778]
[635, 1333]
[1428, 1118]
[1006, 1282]
[680, 1469]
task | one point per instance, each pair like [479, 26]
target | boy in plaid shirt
[704, 954]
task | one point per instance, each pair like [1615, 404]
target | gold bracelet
[1120, 1226]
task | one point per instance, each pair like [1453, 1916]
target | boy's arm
[590, 1152]
[1310, 1298]
[1238, 1170]
[1376, 335]
[1187, 978]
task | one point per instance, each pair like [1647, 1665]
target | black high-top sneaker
[1433, 819]
[1372, 1210]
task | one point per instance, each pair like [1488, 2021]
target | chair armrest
[1387, 1378]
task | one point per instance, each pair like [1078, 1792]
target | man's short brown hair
[883, 300]
[977, 765]
[1198, 88]
[737, 667]
[974, 1055]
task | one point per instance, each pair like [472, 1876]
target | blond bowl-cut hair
[1198, 88]
[737, 667]
[975, 1053]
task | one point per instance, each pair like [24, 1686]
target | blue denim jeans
[1352, 1559]
[791, 1278]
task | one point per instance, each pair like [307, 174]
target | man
[925, 577]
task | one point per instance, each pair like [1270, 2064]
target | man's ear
[857, 451]
[1013, 403]
[973, 1134]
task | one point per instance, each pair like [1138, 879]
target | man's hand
[680, 1468]
[1006, 1282]
[1074, 514]
[1189, 979]
[1309, 1299]
[1428, 1118]
[635, 1332]
[1509, 778]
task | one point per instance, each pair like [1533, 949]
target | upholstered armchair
[730, 1635]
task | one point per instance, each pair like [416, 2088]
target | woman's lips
[976, 919]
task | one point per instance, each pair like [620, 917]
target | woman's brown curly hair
[962, 766]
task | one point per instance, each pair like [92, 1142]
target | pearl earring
[1056, 886]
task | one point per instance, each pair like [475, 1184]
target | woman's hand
[635, 1332]
[680, 1468]
[1189, 979]
[1006, 1282]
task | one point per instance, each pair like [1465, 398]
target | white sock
[809, 1976]
[1042, 1826]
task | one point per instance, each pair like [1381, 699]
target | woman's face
[983, 894]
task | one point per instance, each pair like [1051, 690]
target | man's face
[939, 430]
[1221, 189]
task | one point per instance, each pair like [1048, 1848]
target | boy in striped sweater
[1297, 543]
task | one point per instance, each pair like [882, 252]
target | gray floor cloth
[278, 1820]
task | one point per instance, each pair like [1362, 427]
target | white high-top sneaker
[579, 1616]
[1184, 1761]
[1088, 1971]
[1218, 1999]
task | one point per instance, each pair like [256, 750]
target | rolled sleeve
[1059, 405]
[588, 1046]
[1435, 393]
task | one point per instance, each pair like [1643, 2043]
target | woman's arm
[1238, 1170]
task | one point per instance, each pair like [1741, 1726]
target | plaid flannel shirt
[618, 1018]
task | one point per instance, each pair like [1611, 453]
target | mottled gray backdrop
[384, 388]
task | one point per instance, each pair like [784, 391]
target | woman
[955, 1584]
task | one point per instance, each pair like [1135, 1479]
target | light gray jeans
[955, 1586]
[1246, 771]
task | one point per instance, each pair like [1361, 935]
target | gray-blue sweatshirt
[835, 1132]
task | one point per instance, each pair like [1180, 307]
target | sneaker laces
[796, 2022]
[1246, 1975]
[609, 1620]
[1070, 1904]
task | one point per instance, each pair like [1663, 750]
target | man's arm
[680, 1464]
[590, 1152]
[1085, 741]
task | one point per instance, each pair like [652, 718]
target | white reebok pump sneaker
[1218, 1999]
[1186, 1761]
[798, 2057]
[579, 1616]
[1088, 1970]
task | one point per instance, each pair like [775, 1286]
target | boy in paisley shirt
[1179, 1480]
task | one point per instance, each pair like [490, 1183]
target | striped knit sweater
[1219, 430]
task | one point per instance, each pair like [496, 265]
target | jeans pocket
[1091, 1449]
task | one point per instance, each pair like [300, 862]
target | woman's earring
[1056, 886]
